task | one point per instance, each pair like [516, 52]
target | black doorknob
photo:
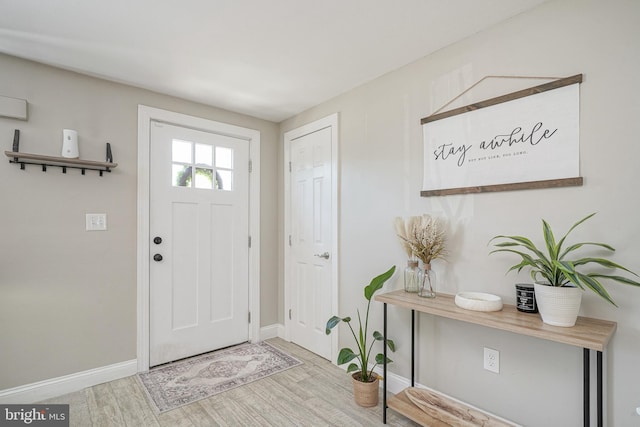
[157, 257]
[157, 240]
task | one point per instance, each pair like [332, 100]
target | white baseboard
[42, 390]
[272, 331]
[395, 382]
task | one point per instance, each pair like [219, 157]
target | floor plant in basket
[365, 380]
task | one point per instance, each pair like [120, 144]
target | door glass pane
[204, 155]
[181, 151]
[224, 157]
[181, 175]
[204, 178]
[224, 180]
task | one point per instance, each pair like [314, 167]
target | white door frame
[332, 122]
[145, 116]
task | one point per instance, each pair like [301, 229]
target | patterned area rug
[180, 383]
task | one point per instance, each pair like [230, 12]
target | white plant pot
[558, 306]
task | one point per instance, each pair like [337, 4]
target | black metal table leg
[384, 367]
[599, 378]
[586, 387]
[413, 348]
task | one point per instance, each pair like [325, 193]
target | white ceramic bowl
[478, 301]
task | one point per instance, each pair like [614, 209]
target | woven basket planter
[365, 394]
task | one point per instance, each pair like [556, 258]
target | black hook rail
[22, 164]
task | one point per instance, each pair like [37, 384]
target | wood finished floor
[315, 393]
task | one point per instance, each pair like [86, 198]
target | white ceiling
[266, 58]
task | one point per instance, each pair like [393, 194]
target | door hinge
[289, 314]
[249, 317]
[249, 242]
[289, 239]
[289, 166]
[250, 166]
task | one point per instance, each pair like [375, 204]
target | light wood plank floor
[315, 393]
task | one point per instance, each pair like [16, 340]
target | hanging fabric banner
[527, 139]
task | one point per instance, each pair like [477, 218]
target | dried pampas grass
[422, 237]
[402, 231]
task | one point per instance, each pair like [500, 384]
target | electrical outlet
[492, 360]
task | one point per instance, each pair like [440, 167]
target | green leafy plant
[362, 355]
[554, 266]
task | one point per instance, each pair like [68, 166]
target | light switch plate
[96, 222]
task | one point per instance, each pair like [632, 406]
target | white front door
[199, 228]
[311, 254]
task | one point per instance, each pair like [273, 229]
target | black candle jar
[526, 298]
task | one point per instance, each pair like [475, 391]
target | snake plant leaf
[579, 245]
[527, 260]
[620, 279]
[570, 273]
[595, 285]
[573, 227]
[603, 262]
[377, 282]
[549, 240]
[524, 242]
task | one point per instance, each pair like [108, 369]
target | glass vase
[428, 281]
[412, 277]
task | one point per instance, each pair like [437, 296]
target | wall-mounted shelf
[23, 159]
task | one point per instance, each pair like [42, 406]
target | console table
[589, 334]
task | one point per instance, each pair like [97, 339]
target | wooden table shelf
[441, 411]
[589, 334]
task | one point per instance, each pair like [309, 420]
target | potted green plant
[365, 381]
[555, 269]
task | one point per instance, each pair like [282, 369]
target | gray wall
[67, 296]
[540, 383]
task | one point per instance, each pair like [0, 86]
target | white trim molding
[36, 392]
[145, 116]
[272, 331]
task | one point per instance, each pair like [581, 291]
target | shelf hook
[16, 140]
